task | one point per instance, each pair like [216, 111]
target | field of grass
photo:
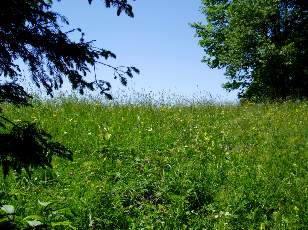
[167, 167]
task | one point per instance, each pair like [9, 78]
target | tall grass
[182, 166]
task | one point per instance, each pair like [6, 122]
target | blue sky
[158, 41]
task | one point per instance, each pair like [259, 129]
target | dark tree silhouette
[30, 33]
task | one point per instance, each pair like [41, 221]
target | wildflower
[107, 136]
[227, 214]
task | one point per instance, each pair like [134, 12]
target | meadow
[144, 166]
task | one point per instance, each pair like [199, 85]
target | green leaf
[34, 223]
[4, 220]
[44, 204]
[9, 209]
[33, 217]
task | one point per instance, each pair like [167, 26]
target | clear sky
[158, 41]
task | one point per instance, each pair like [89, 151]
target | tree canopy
[261, 44]
[32, 34]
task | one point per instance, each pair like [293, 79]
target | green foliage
[49, 217]
[261, 44]
[161, 167]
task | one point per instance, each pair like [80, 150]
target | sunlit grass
[197, 166]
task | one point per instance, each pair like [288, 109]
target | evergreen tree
[30, 33]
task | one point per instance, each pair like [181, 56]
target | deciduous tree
[261, 44]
